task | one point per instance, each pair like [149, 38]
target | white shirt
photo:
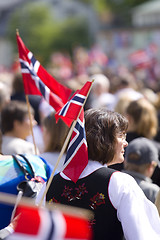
[138, 215]
[12, 145]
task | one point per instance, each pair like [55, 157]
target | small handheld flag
[77, 152]
[40, 223]
[79, 114]
[73, 107]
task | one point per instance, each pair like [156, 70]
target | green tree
[43, 34]
[73, 32]
[35, 26]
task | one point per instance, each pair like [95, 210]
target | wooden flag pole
[17, 31]
[63, 149]
[29, 112]
[31, 126]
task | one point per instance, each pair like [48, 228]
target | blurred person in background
[100, 95]
[157, 106]
[122, 104]
[44, 110]
[143, 122]
[125, 85]
[15, 127]
[141, 159]
[4, 95]
[18, 94]
[4, 99]
[54, 135]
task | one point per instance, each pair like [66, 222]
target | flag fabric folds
[77, 152]
[41, 223]
[71, 109]
[140, 59]
[37, 81]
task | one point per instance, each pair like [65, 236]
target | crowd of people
[121, 182]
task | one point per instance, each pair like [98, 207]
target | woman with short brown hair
[119, 205]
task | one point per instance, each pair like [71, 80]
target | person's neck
[14, 134]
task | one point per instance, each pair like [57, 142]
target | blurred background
[77, 37]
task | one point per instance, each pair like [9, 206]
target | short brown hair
[11, 112]
[102, 127]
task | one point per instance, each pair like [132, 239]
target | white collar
[91, 167]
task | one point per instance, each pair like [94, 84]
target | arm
[138, 216]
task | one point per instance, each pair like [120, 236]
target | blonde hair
[122, 104]
[144, 115]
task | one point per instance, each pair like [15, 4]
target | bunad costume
[119, 205]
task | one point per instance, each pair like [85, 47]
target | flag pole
[63, 148]
[29, 112]
[31, 126]
[17, 31]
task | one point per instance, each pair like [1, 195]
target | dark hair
[102, 127]
[14, 110]
[17, 84]
[58, 132]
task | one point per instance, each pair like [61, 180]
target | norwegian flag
[77, 152]
[72, 108]
[37, 81]
[140, 59]
[40, 224]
